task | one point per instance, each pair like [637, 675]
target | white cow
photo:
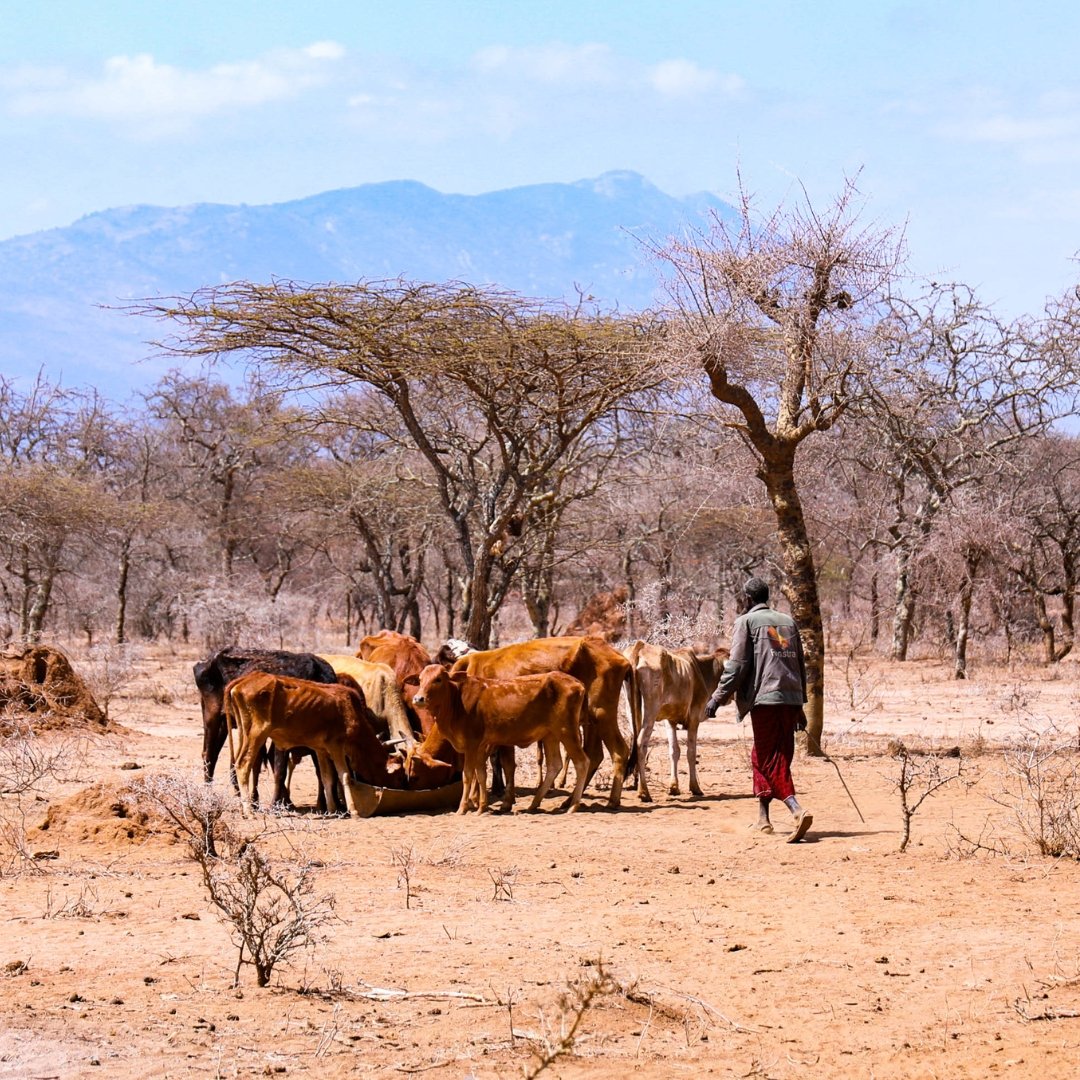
[673, 685]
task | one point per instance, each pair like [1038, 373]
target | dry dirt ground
[727, 953]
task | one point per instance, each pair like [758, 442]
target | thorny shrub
[1042, 788]
[28, 764]
[268, 904]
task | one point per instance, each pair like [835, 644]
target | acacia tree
[493, 390]
[778, 313]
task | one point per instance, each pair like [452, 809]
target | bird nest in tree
[39, 685]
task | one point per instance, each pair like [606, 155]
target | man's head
[756, 591]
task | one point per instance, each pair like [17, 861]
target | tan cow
[674, 685]
[381, 694]
[481, 715]
[602, 670]
[330, 719]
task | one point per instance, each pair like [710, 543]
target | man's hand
[714, 703]
[800, 724]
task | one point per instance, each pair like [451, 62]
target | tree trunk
[122, 590]
[967, 591]
[904, 610]
[798, 561]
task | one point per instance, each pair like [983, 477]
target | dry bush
[922, 774]
[673, 621]
[107, 668]
[222, 614]
[268, 904]
[573, 1004]
[1042, 788]
[29, 764]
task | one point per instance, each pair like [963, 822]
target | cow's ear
[469, 689]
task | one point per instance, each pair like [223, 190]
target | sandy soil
[728, 953]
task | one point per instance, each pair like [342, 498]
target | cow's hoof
[696, 792]
[673, 790]
[644, 796]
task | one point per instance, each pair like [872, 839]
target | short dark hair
[756, 591]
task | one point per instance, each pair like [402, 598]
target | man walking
[766, 676]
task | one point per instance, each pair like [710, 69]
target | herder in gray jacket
[766, 676]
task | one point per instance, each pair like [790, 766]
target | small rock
[193, 915]
[673, 869]
[14, 967]
[42, 855]
[131, 765]
[76, 997]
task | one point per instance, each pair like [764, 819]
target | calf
[602, 670]
[674, 685]
[331, 720]
[479, 715]
[214, 673]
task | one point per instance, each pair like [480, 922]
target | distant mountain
[543, 240]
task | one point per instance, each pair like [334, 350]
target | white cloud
[553, 63]
[684, 79]
[139, 88]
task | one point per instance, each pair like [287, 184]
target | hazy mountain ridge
[542, 240]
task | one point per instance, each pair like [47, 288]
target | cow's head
[434, 690]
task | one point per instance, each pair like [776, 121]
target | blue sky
[963, 117]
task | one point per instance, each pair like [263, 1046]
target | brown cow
[408, 658]
[673, 685]
[403, 653]
[330, 719]
[480, 715]
[381, 694]
[598, 666]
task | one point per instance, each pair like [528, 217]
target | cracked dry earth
[465, 947]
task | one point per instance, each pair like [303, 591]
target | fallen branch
[382, 993]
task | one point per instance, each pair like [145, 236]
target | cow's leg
[552, 761]
[467, 781]
[575, 753]
[327, 770]
[480, 764]
[342, 773]
[691, 755]
[248, 752]
[673, 752]
[509, 766]
[564, 766]
[279, 763]
[214, 734]
[497, 780]
[644, 738]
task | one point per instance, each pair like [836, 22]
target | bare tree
[778, 312]
[957, 391]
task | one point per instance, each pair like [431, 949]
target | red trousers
[774, 747]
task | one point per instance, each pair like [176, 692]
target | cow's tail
[230, 720]
[633, 699]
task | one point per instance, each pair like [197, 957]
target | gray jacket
[766, 665]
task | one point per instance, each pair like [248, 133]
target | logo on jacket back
[776, 639]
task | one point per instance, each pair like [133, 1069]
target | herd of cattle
[392, 716]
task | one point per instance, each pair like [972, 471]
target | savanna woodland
[447, 460]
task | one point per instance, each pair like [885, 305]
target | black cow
[214, 673]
